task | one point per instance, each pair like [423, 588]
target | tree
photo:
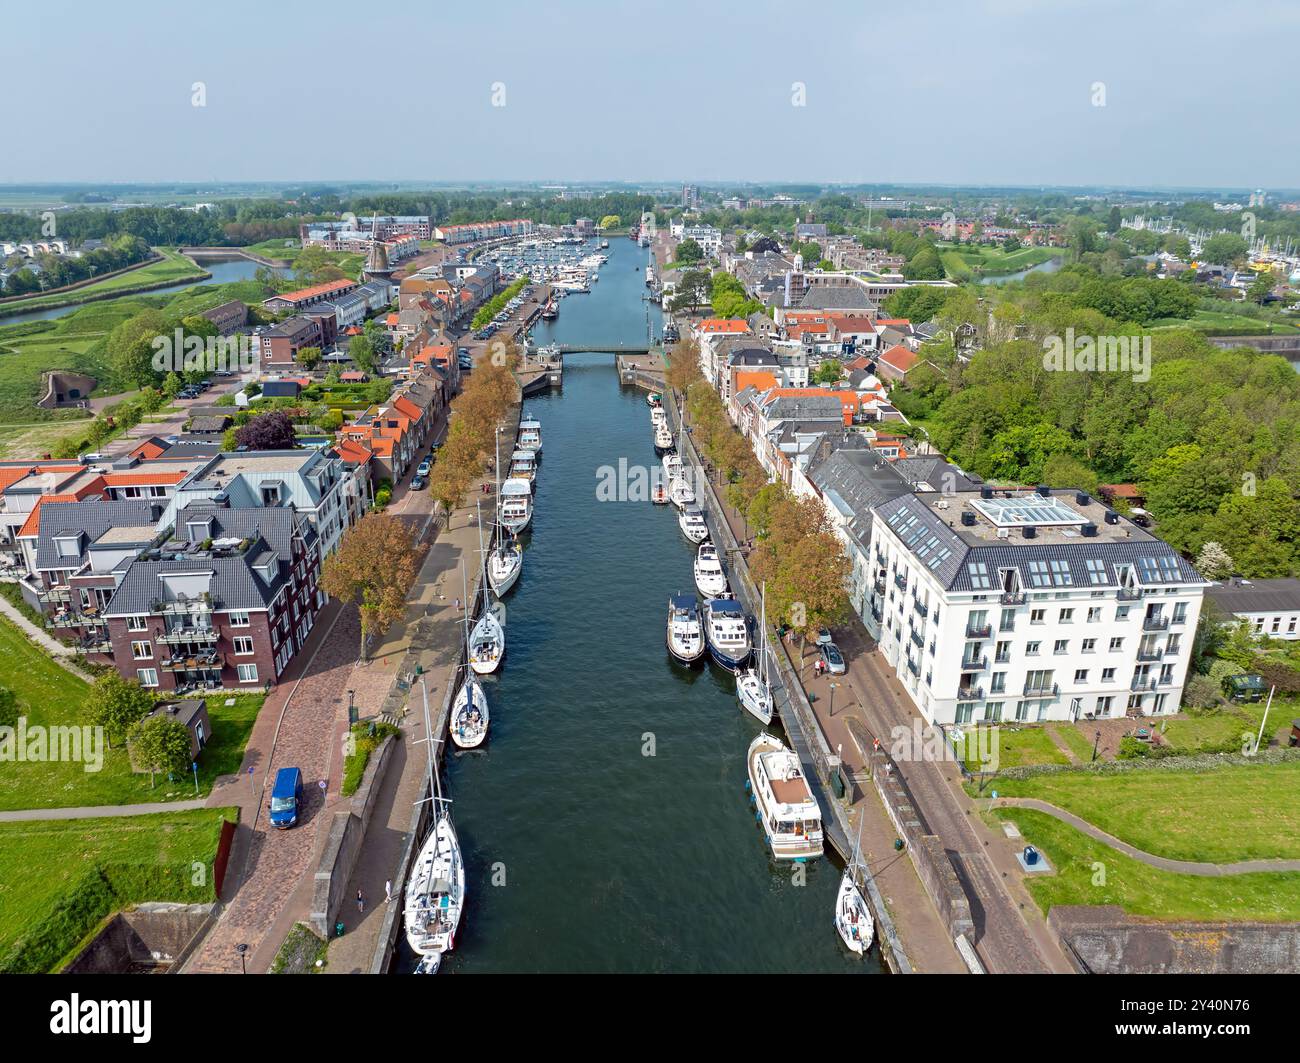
[374, 567]
[828, 372]
[117, 704]
[161, 744]
[268, 431]
[925, 265]
[1213, 561]
[1223, 249]
[1261, 288]
[362, 352]
[309, 357]
[689, 252]
[610, 221]
[131, 347]
[693, 290]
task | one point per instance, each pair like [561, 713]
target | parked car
[286, 798]
[419, 483]
[833, 659]
[824, 636]
[424, 467]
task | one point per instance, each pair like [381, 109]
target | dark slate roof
[754, 356]
[93, 517]
[1256, 595]
[274, 524]
[935, 471]
[836, 297]
[234, 585]
[806, 407]
[863, 480]
[947, 551]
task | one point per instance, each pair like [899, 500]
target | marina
[610, 805]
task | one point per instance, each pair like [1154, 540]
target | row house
[482, 230]
[397, 434]
[297, 301]
[281, 343]
[224, 599]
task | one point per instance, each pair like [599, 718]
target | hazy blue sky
[986, 91]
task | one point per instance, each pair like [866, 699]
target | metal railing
[983, 631]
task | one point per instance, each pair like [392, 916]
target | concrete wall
[1105, 940]
[151, 935]
[929, 857]
[343, 843]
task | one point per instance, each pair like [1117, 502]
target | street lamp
[242, 949]
[352, 707]
[1096, 742]
[830, 710]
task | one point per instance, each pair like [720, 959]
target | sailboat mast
[434, 788]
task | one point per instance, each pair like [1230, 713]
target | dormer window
[68, 546]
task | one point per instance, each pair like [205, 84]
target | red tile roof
[900, 357]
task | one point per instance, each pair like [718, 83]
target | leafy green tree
[131, 348]
[309, 357]
[689, 252]
[117, 704]
[1224, 249]
[362, 353]
[161, 744]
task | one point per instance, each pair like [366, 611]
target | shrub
[1201, 692]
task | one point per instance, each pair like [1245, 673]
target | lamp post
[830, 710]
[1096, 742]
[242, 949]
[352, 707]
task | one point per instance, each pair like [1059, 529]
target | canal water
[223, 270]
[583, 852]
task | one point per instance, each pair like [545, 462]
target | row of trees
[471, 435]
[797, 553]
[119, 706]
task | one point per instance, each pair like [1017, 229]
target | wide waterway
[608, 859]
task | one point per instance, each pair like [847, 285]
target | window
[1116, 644]
[1008, 621]
[1094, 614]
[1159, 705]
[1104, 704]
[1067, 616]
[999, 683]
[1180, 612]
[238, 618]
[243, 645]
[1061, 646]
[964, 713]
[992, 711]
[148, 676]
[1121, 613]
[1081, 675]
[1003, 653]
[1061, 573]
[1038, 574]
[137, 623]
[1096, 570]
[1108, 675]
[1032, 648]
[142, 651]
[1037, 616]
[1089, 645]
[247, 673]
[979, 575]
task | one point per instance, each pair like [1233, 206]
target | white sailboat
[487, 644]
[469, 709]
[435, 888]
[710, 579]
[505, 561]
[672, 467]
[852, 916]
[681, 492]
[752, 687]
[514, 499]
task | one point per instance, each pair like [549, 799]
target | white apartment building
[708, 237]
[1027, 606]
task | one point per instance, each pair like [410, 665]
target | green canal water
[583, 853]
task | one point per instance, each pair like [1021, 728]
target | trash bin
[1031, 856]
[338, 929]
[838, 786]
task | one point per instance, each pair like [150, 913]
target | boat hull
[466, 737]
[754, 696]
[502, 583]
[725, 659]
[852, 917]
[679, 653]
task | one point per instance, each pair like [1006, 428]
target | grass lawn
[1228, 724]
[59, 878]
[1081, 862]
[173, 267]
[1212, 321]
[968, 261]
[1221, 815]
[282, 247]
[1080, 745]
[1017, 746]
[49, 694]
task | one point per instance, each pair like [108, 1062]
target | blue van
[286, 798]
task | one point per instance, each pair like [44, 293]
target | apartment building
[1028, 606]
[223, 599]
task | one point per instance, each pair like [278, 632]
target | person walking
[361, 902]
[388, 890]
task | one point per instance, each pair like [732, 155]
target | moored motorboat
[663, 439]
[693, 525]
[659, 494]
[523, 465]
[685, 633]
[726, 633]
[515, 509]
[710, 577]
[654, 399]
[530, 436]
[672, 466]
[787, 811]
[657, 416]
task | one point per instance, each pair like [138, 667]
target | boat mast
[762, 635]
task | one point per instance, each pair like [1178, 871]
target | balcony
[920, 608]
[983, 631]
[1032, 691]
[1150, 655]
[1128, 594]
[1155, 623]
[1014, 598]
[913, 667]
[1142, 682]
[970, 693]
[193, 662]
[188, 634]
[917, 640]
[55, 596]
[879, 587]
[975, 666]
[876, 613]
[900, 581]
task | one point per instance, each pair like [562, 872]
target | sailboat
[469, 709]
[435, 889]
[681, 492]
[672, 466]
[504, 563]
[852, 916]
[486, 643]
[751, 684]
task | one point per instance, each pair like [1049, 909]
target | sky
[1166, 93]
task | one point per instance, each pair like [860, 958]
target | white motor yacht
[681, 492]
[685, 630]
[788, 812]
[710, 579]
[515, 509]
[693, 525]
[727, 633]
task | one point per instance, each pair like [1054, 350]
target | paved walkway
[1181, 867]
[101, 811]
